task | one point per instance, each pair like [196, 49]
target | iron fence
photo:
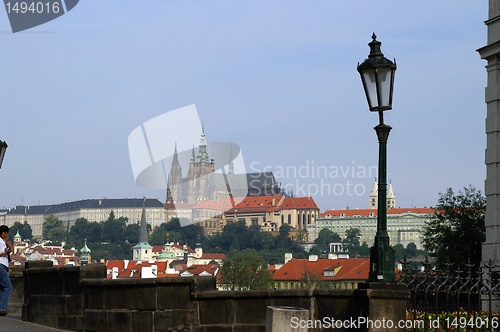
[452, 299]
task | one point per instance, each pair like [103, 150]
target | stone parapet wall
[83, 300]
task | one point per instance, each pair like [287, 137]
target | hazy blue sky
[276, 77]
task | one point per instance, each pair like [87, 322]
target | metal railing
[463, 298]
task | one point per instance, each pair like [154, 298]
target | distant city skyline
[278, 79]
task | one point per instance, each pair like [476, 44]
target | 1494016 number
[22, 7]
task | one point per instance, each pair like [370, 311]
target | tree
[53, 229]
[24, 230]
[132, 232]
[325, 237]
[172, 231]
[457, 230]
[351, 242]
[78, 233]
[364, 250]
[399, 251]
[246, 270]
[113, 229]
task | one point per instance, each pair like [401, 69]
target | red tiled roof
[157, 249]
[266, 204]
[260, 203]
[366, 212]
[197, 269]
[18, 258]
[133, 266]
[346, 269]
[299, 203]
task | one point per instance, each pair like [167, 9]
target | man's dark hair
[4, 228]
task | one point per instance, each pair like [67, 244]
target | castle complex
[204, 182]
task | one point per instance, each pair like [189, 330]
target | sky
[278, 78]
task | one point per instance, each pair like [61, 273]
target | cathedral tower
[174, 184]
[201, 168]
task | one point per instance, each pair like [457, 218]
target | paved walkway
[14, 323]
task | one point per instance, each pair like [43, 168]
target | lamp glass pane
[371, 87]
[384, 85]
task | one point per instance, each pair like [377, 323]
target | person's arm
[5, 238]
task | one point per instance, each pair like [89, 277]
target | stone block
[93, 272]
[142, 321]
[130, 297]
[169, 320]
[74, 305]
[174, 296]
[37, 264]
[93, 297]
[120, 321]
[55, 282]
[96, 320]
[279, 319]
[251, 311]
[67, 322]
[72, 282]
[47, 305]
[37, 282]
[17, 296]
[216, 311]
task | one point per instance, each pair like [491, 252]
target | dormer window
[329, 273]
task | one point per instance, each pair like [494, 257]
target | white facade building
[94, 210]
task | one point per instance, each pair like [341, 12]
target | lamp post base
[382, 260]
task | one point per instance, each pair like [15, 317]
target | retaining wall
[81, 299]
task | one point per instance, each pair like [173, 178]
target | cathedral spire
[202, 156]
[142, 250]
[176, 158]
[143, 231]
[203, 141]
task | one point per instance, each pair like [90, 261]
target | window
[329, 273]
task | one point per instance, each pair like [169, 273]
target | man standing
[5, 284]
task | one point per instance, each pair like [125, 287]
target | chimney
[313, 258]
[114, 273]
[288, 257]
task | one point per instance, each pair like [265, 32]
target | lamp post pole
[377, 75]
[381, 254]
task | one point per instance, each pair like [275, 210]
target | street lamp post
[377, 75]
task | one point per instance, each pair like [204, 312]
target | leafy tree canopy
[24, 230]
[246, 270]
[325, 237]
[457, 229]
[351, 242]
[53, 229]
